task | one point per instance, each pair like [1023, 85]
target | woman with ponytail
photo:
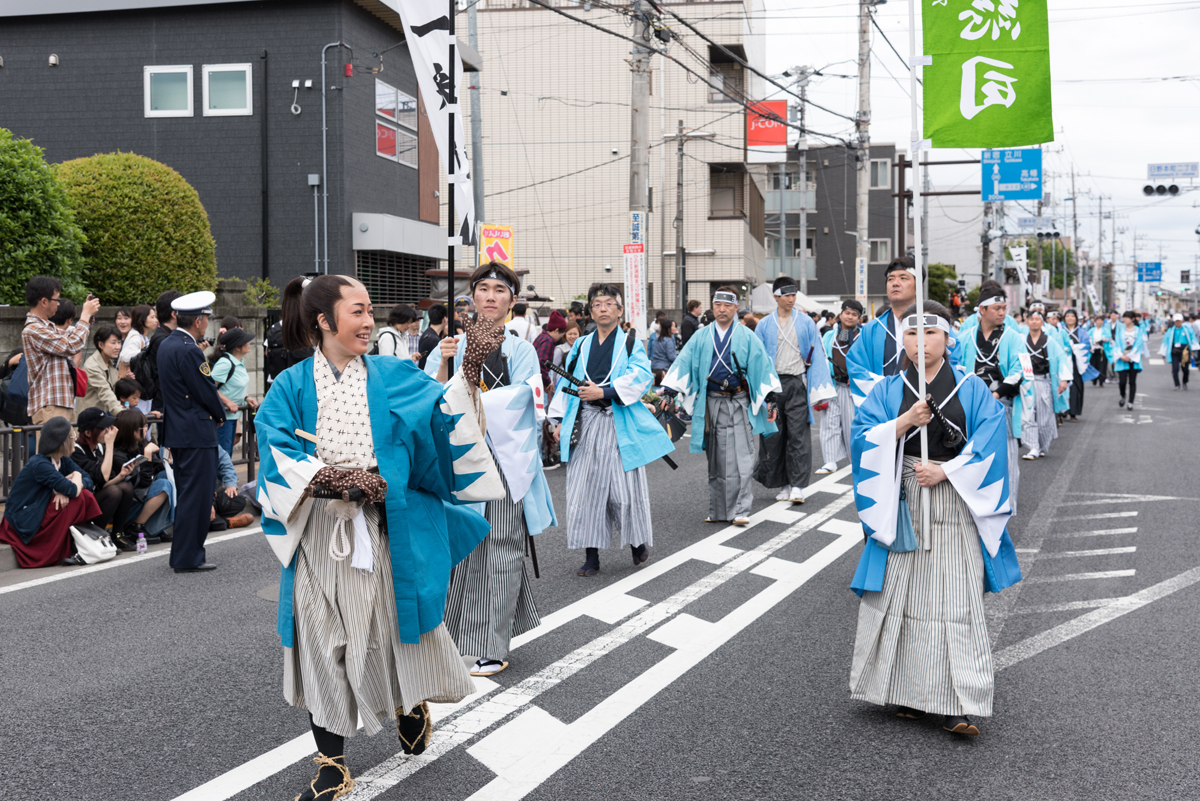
[360, 496]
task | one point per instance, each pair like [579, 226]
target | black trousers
[115, 501]
[1100, 362]
[195, 475]
[1177, 364]
[1129, 376]
[785, 459]
[1076, 395]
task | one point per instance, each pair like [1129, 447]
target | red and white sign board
[496, 245]
[766, 134]
[635, 287]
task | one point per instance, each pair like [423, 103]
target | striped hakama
[729, 443]
[1039, 432]
[490, 600]
[1014, 454]
[348, 660]
[836, 424]
[922, 641]
[602, 498]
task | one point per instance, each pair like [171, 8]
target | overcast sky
[1112, 112]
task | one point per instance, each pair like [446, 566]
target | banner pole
[914, 89]
[451, 154]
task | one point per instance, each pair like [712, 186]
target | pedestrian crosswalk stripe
[1099, 574]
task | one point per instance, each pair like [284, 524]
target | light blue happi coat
[1183, 335]
[979, 474]
[1060, 369]
[1012, 345]
[1139, 348]
[1082, 352]
[865, 359]
[424, 456]
[522, 365]
[689, 377]
[817, 375]
[640, 437]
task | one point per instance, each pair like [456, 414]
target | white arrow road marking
[1085, 623]
[1099, 574]
[519, 772]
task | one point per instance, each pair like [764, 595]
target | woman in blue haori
[922, 640]
[1179, 342]
[835, 422]
[490, 600]
[363, 462]
[1051, 376]
[1128, 345]
[1079, 351]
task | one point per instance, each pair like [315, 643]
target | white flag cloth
[513, 433]
[427, 31]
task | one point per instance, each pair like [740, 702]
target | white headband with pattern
[725, 297]
[931, 321]
[494, 275]
[991, 300]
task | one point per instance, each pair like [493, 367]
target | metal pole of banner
[451, 154]
[913, 90]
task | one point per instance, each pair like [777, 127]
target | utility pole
[802, 149]
[862, 242]
[1074, 241]
[639, 170]
[1100, 251]
[987, 242]
[680, 253]
[1037, 237]
[476, 124]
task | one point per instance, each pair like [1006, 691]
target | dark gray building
[832, 220]
[229, 94]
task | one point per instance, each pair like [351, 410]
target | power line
[903, 61]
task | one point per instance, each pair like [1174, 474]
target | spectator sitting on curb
[153, 494]
[145, 323]
[49, 495]
[102, 372]
[229, 508]
[124, 323]
[47, 350]
[94, 455]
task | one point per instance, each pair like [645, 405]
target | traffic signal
[1161, 189]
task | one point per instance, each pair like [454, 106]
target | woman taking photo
[359, 488]
[153, 494]
[922, 640]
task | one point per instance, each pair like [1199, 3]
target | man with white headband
[878, 351]
[728, 385]
[1177, 346]
[791, 340]
[835, 423]
[995, 351]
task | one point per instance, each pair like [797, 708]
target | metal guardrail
[17, 443]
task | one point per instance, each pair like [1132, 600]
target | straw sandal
[415, 729]
[328, 765]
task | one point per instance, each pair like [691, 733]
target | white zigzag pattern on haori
[967, 474]
[764, 389]
[457, 402]
[280, 500]
[880, 488]
[822, 392]
[682, 383]
[629, 388]
[866, 385]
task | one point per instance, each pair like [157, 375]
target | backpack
[143, 373]
[216, 357]
[14, 397]
[275, 356]
[374, 351]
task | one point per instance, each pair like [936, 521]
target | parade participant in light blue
[363, 460]
[728, 385]
[922, 640]
[992, 350]
[1051, 376]
[835, 422]
[1179, 342]
[1101, 339]
[1052, 326]
[877, 351]
[1129, 344]
[608, 435]
[791, 340]
[490, 599]
[1080, 353]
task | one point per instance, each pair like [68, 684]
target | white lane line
[1084, 623]
[518, 698]
[1027, 550]
[1068, 606]
[1090, 552]
[1101, 516]
[128, 560]
[1157, 362]
[1099, 574]
[251, 773]
[1106, 532]
[1107, 498]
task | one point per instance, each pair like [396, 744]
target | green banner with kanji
[989, 81]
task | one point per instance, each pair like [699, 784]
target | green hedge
[38, 231]
[146, 228]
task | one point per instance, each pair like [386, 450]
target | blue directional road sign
[1012, 174]
[1149, 272]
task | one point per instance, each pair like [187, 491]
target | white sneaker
[797, 495]
[826, 469]
[784, 494]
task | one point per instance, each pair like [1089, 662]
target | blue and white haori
[689, 377]
[430, 448]
[1012, 345]
[808, 339]
[1081, 351]
[1130, 342]
[869, 360]
[979, 475]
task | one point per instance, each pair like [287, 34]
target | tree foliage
[38, 231]
[261, 293]
[939, 290]
[146, 228]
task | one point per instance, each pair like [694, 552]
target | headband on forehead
[786, 289]
[991, 300]
[725, 297]
[494, 275]
[931, 321]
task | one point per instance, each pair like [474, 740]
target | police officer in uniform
[192, 412]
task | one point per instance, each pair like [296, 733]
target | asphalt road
[718, 670]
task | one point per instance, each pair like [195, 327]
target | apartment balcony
[793, 200]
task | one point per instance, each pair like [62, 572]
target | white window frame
[397, 126]
[886, 171]
[191, 94]
[887, 257]
[248, 111]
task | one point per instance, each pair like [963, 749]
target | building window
[726, 193]
[168, 91]
[881, 174]
[725, 83]
[396, 139]
[881, 251]
[227, 90]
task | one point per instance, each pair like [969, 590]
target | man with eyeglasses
[48, 351]
[608, 436]
[729, 386]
